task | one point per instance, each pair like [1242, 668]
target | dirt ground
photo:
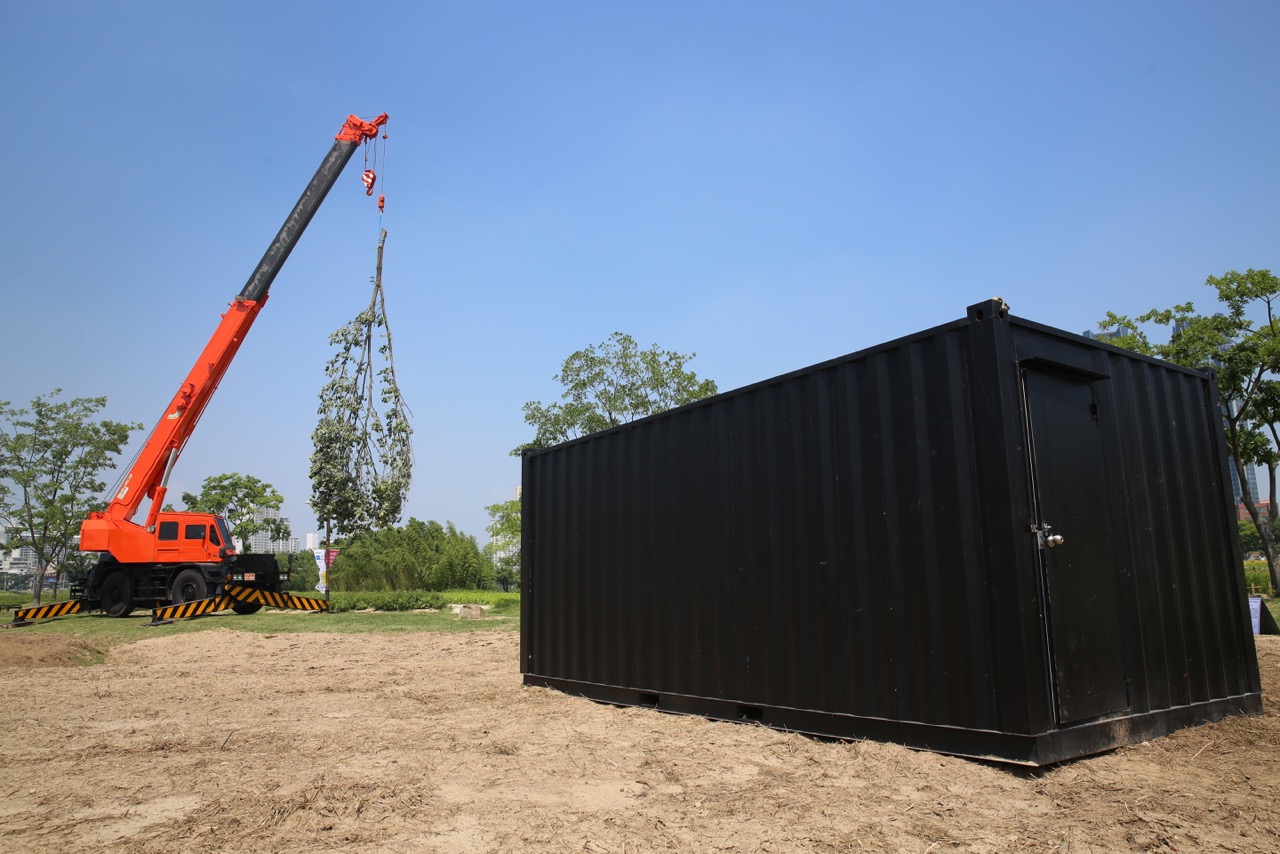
[224, 741]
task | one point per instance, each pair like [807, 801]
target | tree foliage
[1241, 343]
[362, 458]
[612, 383]
[239, 499]
[418, 556]
[1249, 540]
[503, 549]
[51, 456]
[301, 566]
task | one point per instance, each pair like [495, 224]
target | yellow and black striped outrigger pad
[40, 612]
[248, 595]
[195, 608]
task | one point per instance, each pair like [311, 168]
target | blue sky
[767, 184]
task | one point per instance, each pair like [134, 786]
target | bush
[302, 569]
[419, 556]
[417, 600]
[1256, 579]
[386, 600]
[495, 599]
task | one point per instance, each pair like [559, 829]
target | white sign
[1255, 613]
[319, 554]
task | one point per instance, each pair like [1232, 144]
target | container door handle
[1047, 540]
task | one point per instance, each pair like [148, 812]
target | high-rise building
[1251, 478]
[1102, 334]
[505, 546]
[262, 542]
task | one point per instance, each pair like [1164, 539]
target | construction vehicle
[183, 563]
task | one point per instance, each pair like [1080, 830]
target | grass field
[353, 613]
[503, 614]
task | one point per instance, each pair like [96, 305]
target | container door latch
[1046, 539]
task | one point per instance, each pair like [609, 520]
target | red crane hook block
[369, 177]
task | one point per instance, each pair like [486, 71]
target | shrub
[1256, 579]
[386, 600]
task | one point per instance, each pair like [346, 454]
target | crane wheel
[188, 586]
[117, 595]
[246, 607]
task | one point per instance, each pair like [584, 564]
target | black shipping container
[992, 538]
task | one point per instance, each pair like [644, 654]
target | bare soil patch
[225, 741]
[20, 652]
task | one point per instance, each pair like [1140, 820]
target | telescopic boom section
[149, 474]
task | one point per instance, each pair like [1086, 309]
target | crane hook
[369, 177]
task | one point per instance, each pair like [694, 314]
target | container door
[1073, 533]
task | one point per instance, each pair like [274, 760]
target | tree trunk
[1273, 507]
[1263, 524]
[37, 588]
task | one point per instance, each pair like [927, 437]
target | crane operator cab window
[194, 532]
[167, 531]
[220, 536]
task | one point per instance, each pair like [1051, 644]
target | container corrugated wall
[845, 549]
[1179, 570]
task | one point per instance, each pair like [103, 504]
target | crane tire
[188, 586]
[246, 607]
[116, 596]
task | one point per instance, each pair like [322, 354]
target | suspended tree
[362, 461]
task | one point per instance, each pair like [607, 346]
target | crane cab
[177, 537]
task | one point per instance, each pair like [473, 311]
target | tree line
[418, 556]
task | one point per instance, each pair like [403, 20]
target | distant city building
[1242, 512]
[502, 546]
[16, 565]
[22, 560]
[1103, 335]
[1251, 478]
[262, 542]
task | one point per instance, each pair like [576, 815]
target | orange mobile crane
[179, 563]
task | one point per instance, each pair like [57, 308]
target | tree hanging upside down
[362, 461]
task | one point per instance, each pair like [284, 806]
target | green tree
[1241, 342]
[503, 549]
[302, 569]
[51, 456]
[462, 565]
[239, 498]
[1249, 539]
[613, 383]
